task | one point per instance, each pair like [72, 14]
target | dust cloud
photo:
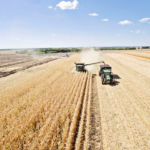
[90, 56]
[37, 56]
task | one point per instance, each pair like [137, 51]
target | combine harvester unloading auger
[105, 71]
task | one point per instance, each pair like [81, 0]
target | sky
[74, 23]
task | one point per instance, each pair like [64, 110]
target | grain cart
[106, 74]
[81, 66]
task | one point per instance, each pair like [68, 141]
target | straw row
[73, 127]
[88, 116]
[81, 132]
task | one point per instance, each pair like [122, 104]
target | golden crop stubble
[9, 116]
[62, 112]
[32, 81]
[72, 105]
[14, 94]
[49, 112]
[55, 111]
[88, 116]
[81, 132]
[32, 116]
[74, 123]
[30, 121]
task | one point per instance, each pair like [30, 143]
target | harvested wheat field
[53, 107]
[124, 107]
[10, 64]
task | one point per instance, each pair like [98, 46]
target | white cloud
[131, 31]
[93, 14]
[138, 31]
[54, 34]
[50, 7]
[119, 34]
[144, 20]
[67, 4]
[104, 19]
[125, 22]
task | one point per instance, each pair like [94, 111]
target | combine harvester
[105, 71]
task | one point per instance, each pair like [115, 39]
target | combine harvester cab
[106, 74]
[80, 67]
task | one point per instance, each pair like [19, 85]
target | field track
[10, 64]
[52, 107]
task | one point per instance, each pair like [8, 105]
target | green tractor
[106, 74]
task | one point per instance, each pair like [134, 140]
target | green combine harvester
[105, 71]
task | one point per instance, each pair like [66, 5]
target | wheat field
[42, 110]
[51, 107]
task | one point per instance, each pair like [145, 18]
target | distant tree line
[146, 47]
[57, 50]
[65, 50]
[118, 48]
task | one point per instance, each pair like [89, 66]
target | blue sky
[74, 23]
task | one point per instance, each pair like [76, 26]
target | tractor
[106, 74]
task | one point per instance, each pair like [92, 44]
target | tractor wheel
[103, 79]
[103, 82]
[99, 73]
[112, 79]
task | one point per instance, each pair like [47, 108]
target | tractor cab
[104, 69]
[106, 74]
